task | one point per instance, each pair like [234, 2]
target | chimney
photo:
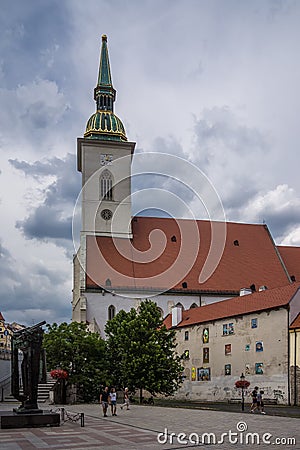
[245, 291]
[176, 315]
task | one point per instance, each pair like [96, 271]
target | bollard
[82, 419]
[62, 414]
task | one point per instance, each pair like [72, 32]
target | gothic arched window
[106, 185]
[180, 305]
[111, 312]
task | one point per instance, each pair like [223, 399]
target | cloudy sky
[215, 83]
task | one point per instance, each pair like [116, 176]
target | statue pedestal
[22, 410]
[11, 419]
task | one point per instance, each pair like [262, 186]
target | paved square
[140, 427]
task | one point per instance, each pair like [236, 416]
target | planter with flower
[59, 389]
[59, 374]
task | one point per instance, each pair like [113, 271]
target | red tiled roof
[258, 301]
[249, 257]
[296, 322]
[291, 259]
[1, 317]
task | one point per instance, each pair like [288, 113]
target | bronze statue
[29, 341]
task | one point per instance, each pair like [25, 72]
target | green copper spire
[104, 93]
[104, 77]
[104, 124]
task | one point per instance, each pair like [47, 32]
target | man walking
[104, 400]
[126, 399]
[254, 399]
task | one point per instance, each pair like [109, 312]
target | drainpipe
[295, 368]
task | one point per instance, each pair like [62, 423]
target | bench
[267, 401]
[235, 400]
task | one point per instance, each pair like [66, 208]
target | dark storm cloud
[41, 168]
[28, 301]
[6, 262]
[220, 137]
[231, 155]
[39, 115]
[20, 43]
[32, 293]
[171, 194]
[52, 220]
[43, 224]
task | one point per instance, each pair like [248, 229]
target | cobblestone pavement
[141, 426]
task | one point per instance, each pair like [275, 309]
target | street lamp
[242, 378]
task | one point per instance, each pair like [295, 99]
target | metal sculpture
[29, 342]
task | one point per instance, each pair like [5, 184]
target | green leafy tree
[82, 354]
[142, 352]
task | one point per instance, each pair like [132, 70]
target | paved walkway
[141, 427]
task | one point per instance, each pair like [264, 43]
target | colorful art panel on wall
[259, 368]
[259, 346]
[227, 369]
[193, 373]
[227, 349]
[203, 374]
[228, 328]
[254, 323]
[206, 355]
[205, 336]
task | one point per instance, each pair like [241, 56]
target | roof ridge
[243, 301]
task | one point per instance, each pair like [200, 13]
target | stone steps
[43, 392]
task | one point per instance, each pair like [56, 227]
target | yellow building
[295, 360]
[5, 338]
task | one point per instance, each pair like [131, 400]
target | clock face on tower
[106, 160]
[106, 214]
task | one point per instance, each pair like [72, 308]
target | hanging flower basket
[59, 374]
[239, 384]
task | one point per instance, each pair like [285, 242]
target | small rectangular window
[186, 335]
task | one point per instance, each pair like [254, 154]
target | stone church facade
[114, 268]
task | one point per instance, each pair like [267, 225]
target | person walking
[104, 400]
[126, 400]
[260, 402]
[254, 399]
[113, 401]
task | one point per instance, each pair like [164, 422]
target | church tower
[104, 158]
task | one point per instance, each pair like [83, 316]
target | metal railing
[68, 416]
